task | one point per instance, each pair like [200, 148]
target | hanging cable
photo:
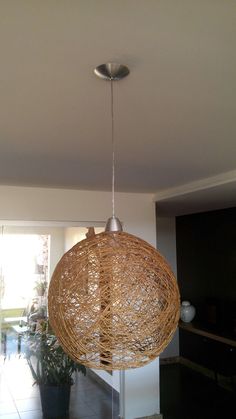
[113, 149]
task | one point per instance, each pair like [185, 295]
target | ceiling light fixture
[113, 299]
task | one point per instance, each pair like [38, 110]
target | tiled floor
[20, 400]
[185, 394]
[188, 394]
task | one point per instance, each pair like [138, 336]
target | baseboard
[172, 360]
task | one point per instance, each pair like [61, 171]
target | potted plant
[40, 286]
[52, 369]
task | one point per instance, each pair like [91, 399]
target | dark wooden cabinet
[207, 349]
[226, 359]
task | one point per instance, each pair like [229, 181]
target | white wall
[75, 234]
[136, 211]
[166, 240]
[143, 403]
[166, 244]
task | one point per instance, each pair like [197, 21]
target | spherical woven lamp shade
[113, 302]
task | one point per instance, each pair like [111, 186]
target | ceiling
[174, 114]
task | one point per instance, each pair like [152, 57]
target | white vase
[187, 312]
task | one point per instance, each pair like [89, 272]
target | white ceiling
[174, 114]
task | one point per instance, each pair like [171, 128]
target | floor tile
[7, 407]
[24, 405]
[97, 394]
[78, 416]
[4, 394]
[81, 408]
[89, 400]
[104, 408]
[25, 393]
[37, 414]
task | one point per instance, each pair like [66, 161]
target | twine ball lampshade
[113, 302]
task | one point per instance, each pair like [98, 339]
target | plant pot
[55, 401]
[40, 291]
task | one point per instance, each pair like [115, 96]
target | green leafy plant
[40, 286]
[48, 363]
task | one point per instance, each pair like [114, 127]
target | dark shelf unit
[206, 271]
[208, 350]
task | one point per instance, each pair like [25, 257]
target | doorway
[28, 257]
